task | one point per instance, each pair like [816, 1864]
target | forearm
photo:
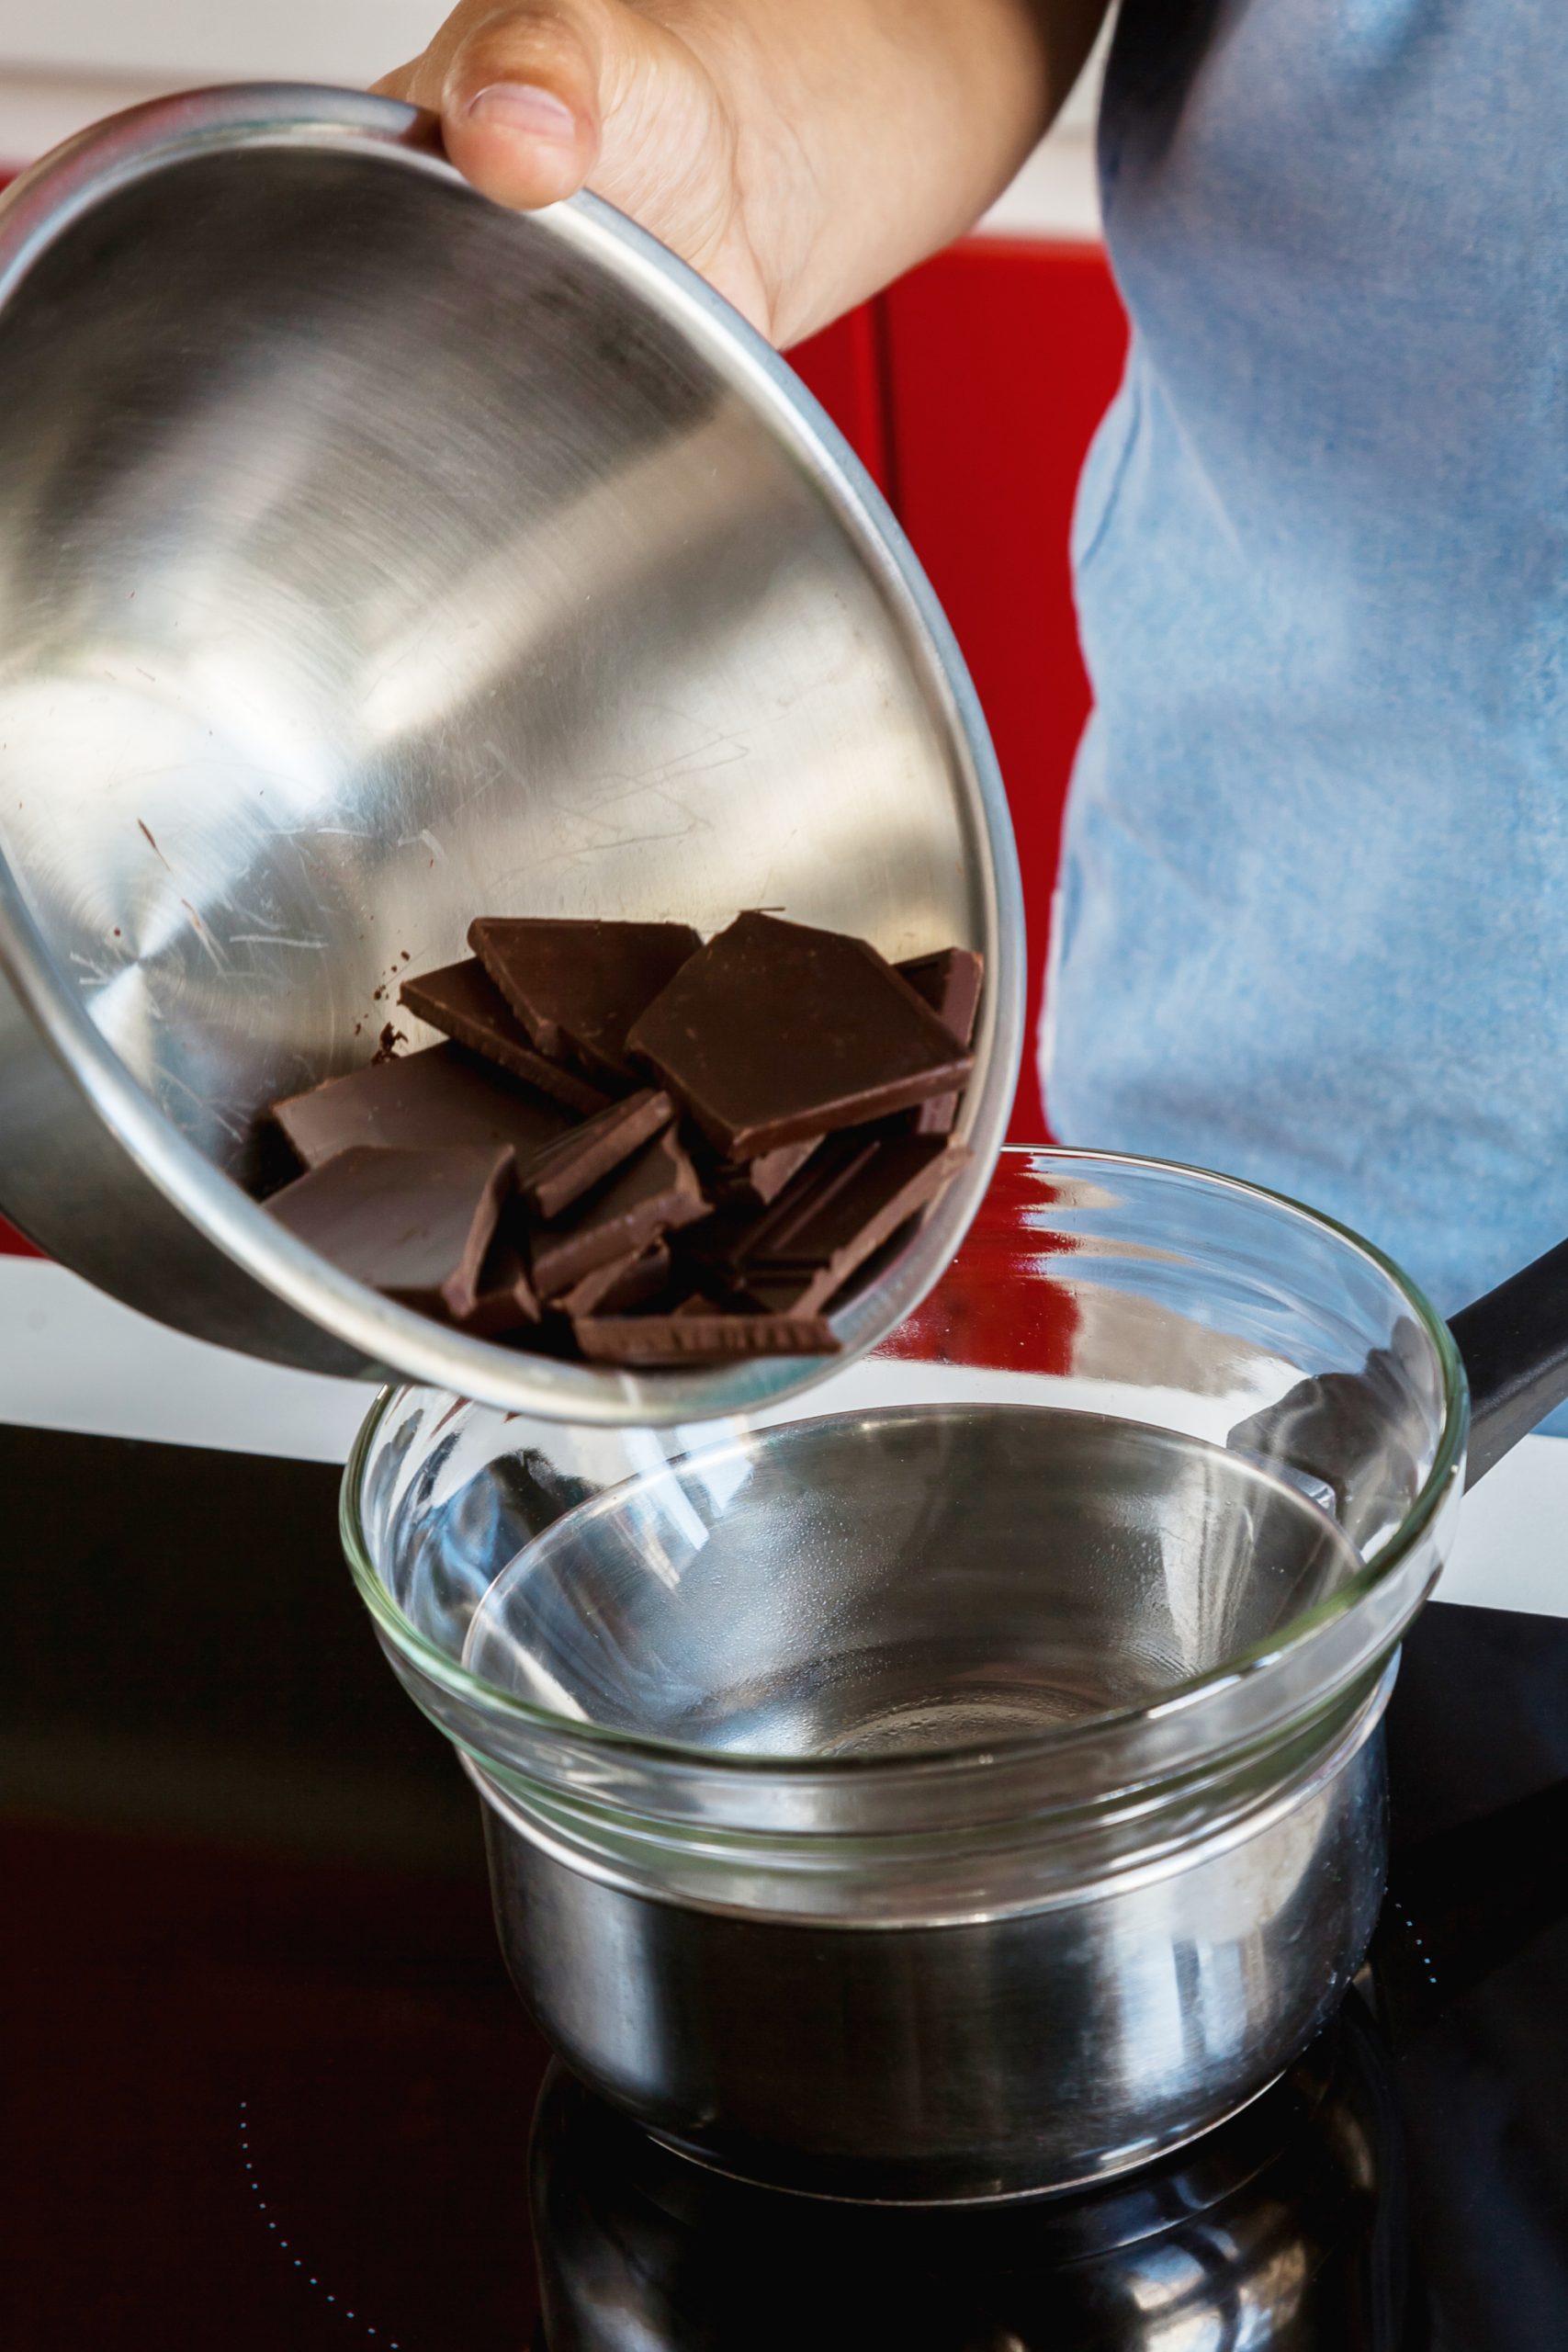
[871, 132]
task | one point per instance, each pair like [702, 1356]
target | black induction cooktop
[268, 2085]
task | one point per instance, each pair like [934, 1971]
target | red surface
[1004, 355]
[996, 1305]
[845, 366]
[972, 391]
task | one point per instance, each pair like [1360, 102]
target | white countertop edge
[72, 1359]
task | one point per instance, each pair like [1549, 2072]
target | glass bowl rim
[1178, 1699]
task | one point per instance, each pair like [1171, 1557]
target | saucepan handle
[1514, 1343]
[1354, 1434]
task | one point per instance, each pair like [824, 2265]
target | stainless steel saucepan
[976, 1783]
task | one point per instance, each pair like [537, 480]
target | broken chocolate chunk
[732, 1238]
[503, 1295]
[529, 1182]
[565, 1170]
[414, 1225]
[717, 1337]
[622, 1284]
[653, 1194]
[578, 987]
[463, 1001]
[753, 1183]
[437, 1100]
[949, 983]
[774, 1032]
[937, 1117]
[799, 1271]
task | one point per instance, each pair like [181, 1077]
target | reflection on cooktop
[269, 2086]
[1286, 2228]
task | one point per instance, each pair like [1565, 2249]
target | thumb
[517, 92]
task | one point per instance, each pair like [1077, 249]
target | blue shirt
[1312, 922]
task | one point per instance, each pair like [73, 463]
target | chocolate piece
[936, 1117]
[567, 1169]
[774, 1032]
[949, 983]
[437, 1100]
[462, 1001]
[578, 987]
[753, 1183]
[798, 1273]
[414, 1225]
[503, 1299]
[732, 1239]
[459, 1179]
[685, 1337]
[622, 1285]
[837, 1164]
[654, 1194]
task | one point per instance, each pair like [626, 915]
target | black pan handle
[1346, 1432]
[1514, 1343]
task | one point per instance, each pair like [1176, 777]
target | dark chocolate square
[578, 987]
[415, 1225]
[774, 1032]
[463, 1001]
[437, 1100]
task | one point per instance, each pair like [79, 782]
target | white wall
[66, 63]
[175, 42]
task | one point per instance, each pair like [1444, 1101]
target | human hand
[646, 106]
[799, 152]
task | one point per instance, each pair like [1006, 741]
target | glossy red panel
[1004, 355]
[844, 365]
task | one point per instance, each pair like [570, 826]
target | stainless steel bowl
[370, 558]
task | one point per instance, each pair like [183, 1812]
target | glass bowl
[1056, 1637]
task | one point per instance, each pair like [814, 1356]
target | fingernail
[519, 106]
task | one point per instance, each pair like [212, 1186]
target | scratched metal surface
[369, 558]
[309, 656]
